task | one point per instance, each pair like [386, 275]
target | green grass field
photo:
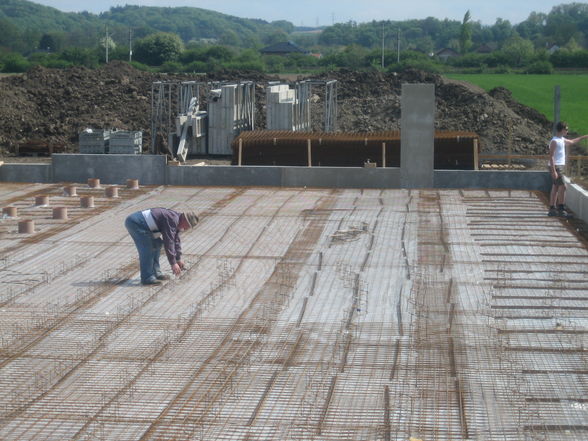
[537, 91]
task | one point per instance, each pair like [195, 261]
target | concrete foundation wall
[515, 180]
[148, 169]
[152, 170]
[223, 176]
[322, 177]
[42, 173]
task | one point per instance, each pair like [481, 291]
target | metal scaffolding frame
[244, 101]
[330, 100]
[170, 100]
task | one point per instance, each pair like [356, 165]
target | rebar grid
[304, 315]
[539, 298]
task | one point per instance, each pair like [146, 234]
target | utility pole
[383, 46]
[398, 47]
[106, 43]
[130, 44]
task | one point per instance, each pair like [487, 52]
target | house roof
[284, 47]
[446, 51]
[486, 49]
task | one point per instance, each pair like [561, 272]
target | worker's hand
[176, 269]
[181, 264]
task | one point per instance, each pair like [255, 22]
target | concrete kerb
[577, 200]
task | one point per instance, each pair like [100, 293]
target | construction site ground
[303, 314]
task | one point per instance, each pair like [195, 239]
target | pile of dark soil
[54, 106]
[371, 102]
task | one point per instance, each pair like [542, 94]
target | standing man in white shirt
[557, 161]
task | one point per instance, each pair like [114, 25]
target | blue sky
[313, 12]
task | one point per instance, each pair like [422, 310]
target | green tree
[156, 49]
[502, 30]
[465, 35]
[284, 25]
[219, 53]
[47, 43]
[518, 51]
[339, 34]
[572, 45]
[52, 42]
[14, 63]
[351, 57]
[567, 21]
[9, 35]
[80, 56]
[277, 36]
[230, 38]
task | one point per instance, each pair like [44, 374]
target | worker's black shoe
[552, 212]
[151, 282]
[563, 213]
[163, 277]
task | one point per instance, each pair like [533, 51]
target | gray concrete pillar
[417, 137]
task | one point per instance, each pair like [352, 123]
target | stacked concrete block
[280, 107]
[227, 117]
[93, 141]
[284, 109]
[198, 140]
[126, 142]
[221, 120]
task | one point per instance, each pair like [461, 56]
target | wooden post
[476, 156]
[240, 160]
[508, 146]
[309, 152]
[383, 155]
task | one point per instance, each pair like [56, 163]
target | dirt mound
[371, 102]
[56, 105]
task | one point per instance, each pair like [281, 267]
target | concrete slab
[303, 314]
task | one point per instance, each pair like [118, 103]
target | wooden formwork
[453, 150]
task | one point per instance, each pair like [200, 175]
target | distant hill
[189, 23]
[34, 17]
